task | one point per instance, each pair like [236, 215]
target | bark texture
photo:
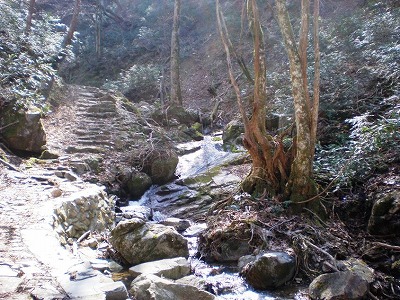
[31, 11]
[176, 93]
[277, 170]
[300, 186]
[74, 23]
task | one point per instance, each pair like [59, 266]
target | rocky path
[33, 265]
[24, 206]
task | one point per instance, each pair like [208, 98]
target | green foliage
[25, 59]
[373, 143]
[359, 61]
[137, 83]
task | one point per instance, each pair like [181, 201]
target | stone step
[91, 94]
[85, 149]
[101, 137]
[99, 109]
[94, 101]
[95, 143]
[87, 131]
[90, 103]
[104, 115]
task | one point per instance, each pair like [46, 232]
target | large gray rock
[338, 286]
[385, 216]
[89, 209]
[139, 242]
[91, 284]
[172, 268]
[160, 164]
[233, 132]
[134, 183]
[352, 283]
[152, 287]
[270, 270]
[25, 132]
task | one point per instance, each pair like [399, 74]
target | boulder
[160, 164]
[385, 216]
[139, 242]
[175, 114]
[152, 287]
[194, 134]
[245, 260]
[351, 283]
[270, 270]
[233, 132]
[25, 132]
[171, 268]
[83, 282]
[193, 280]
[135, 183]
[178, 224]
[358, 267]
[339, 285]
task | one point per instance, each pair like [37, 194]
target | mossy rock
[233, 132]
[24, 130]
[270, 270]
[160, 164]
[138, 184]
[385, 216]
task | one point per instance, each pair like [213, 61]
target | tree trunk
[317, 63]
[31, 11]
[300, 186]
[74, 24]
[99, 24]
[269, 171]
[276, 170]
[176, 94]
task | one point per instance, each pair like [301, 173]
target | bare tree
[74, 23]
[31, 11]
[301, 185]
[98, 25]
[176, 93]
[276, 170]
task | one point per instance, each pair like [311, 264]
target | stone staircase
[93, 122]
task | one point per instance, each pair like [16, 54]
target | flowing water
[222, 280]
[198, 157]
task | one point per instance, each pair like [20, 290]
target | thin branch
[8, 125]
[9, 165]
[225, 41]
[315, 215]
[387, 246]
[324, 252]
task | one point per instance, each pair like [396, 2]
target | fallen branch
[333, 260]
[8, 125]
[9, 165]
[83, 236]
[387, 246]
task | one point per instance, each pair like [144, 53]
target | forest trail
[24, 207]
[87, 121]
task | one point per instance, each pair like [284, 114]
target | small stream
[223, 280]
